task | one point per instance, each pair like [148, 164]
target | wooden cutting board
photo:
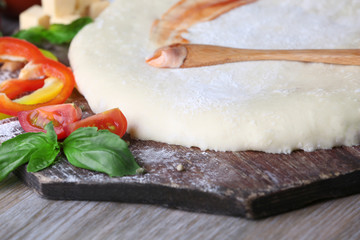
[248, 184]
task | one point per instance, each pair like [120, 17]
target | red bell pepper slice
[38, 67]
[13, 88]
[13, 47]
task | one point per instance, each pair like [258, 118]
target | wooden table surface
[24, 215]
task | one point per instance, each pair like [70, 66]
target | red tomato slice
[61, 115]
[112, 120]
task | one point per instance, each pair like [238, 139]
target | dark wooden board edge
[176, 198]
[257, 206]
[302, 196]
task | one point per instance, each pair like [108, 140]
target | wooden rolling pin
[197, 55]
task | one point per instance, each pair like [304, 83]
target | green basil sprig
[100, 151]
[55, 34]
[87, 148]
[38, 149]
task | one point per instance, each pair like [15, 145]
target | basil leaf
[61, 33]
[42, 158]
[50, 133]
[16, 152]
[46, 153]
[56, 34]
[34, 35]
[39, 149]
[101, 151]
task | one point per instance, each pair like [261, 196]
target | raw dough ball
[271, 106]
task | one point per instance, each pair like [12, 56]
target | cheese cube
[82, 6]
[97, 7]
[64, 19]
[59, 8]
[32, 17]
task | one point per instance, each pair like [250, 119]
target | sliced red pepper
[12, 47]
[16, 87]
[38, 66]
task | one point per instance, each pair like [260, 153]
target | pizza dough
[271, 106]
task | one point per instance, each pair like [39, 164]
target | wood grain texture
[23, 215]
[249, 192]
[199, 55]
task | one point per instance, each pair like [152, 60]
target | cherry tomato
[61, 115]
[112, 120]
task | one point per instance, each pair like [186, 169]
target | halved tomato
[61, 115]
[112, 120]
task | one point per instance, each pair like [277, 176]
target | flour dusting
[9, 128]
